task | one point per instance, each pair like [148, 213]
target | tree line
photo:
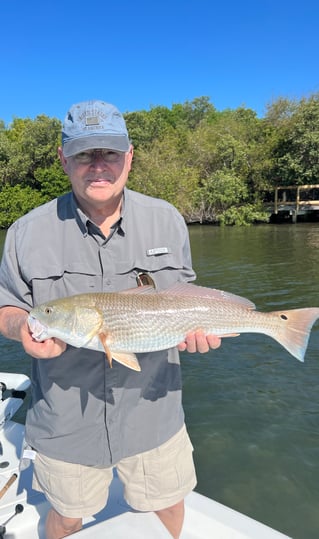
[214, 166]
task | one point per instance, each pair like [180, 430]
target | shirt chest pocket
[164, 268]
[51, 281]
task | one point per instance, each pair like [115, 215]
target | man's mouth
[100, 179]
[96, 182]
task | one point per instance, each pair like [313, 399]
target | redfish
[144, 320]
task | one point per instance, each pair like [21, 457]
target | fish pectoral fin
[104, 338]
[127, 359]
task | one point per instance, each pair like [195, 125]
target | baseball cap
[91, 125]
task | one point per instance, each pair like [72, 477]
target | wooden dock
[296, 201]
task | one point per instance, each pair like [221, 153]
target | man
[85, 417]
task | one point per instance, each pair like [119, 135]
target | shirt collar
[83, 220]
[79, 215]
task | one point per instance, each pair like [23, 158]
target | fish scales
[149, 323]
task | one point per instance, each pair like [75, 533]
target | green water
[252, 409]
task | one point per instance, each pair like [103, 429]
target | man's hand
[14, 325]
[199, 342]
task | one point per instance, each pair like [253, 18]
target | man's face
[98, 177]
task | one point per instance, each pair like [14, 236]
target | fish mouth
[39, 332]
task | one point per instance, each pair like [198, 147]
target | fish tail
[294, 329]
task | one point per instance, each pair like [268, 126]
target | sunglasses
[89, 156]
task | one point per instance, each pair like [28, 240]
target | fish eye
[48, 310]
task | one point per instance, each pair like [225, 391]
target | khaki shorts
[152, 480]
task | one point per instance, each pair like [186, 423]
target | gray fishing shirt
[82, 410]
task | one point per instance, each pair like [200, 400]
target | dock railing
[294, 204]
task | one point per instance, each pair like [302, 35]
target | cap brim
[119, 143]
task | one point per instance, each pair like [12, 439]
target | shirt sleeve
[188, 274]
[14, 291]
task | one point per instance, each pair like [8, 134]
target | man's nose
[98, 161]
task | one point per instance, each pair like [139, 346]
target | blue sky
[141, 54]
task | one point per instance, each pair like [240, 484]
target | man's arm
[11, 321]
[13, 325]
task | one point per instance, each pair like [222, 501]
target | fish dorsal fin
[192, 290]
[147, 289]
